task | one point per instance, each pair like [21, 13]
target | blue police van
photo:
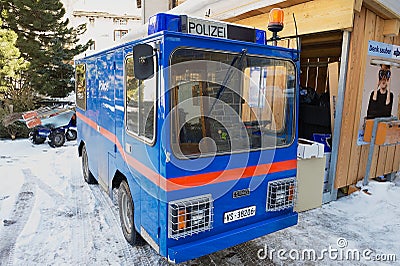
[195, 125]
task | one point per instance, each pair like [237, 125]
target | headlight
[190, 216]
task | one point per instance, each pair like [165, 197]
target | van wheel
[126, 214]
[87, 175]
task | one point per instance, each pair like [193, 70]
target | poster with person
[381, 84]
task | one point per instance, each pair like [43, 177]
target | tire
[71, 134]
[56, 138]
[87, 175]
[35, 138]
[126, 215]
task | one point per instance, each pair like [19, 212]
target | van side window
[80, 86]
[139, 103]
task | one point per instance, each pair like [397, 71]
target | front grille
[190, 216]
[281, 194]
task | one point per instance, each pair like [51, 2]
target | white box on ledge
[307, 149]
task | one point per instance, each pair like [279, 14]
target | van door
[141, 144]
[106, 122]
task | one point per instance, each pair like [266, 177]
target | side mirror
[143, 61]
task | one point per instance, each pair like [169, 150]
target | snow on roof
[81, 13]
[121, 7]
[220, 9]
[139, 32]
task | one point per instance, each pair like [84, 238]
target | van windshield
[225, 102]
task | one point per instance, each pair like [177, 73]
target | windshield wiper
[239, 59]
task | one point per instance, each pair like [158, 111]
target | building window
[173, 3]
[118, 34]
[120, 21]
[140, 100]
[138, 3]
[80, 86]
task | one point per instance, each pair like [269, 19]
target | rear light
[182, 219]
[190, 216]
[291, 193]
[281, 194]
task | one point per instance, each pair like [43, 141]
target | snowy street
[50, 216]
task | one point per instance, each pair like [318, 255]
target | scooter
[56, 136]
[55, 124]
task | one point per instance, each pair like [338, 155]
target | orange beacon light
[275, 23]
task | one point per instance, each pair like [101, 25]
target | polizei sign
[204, 27]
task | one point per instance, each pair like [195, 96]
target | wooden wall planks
[355, 54]
[352, 160]
[368, 34]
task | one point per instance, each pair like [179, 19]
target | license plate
[239, 214]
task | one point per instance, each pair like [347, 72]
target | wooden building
[339, 31]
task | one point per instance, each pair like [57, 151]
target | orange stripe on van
[190, 181]
[87, 120]
[228, 175]
[132, 162]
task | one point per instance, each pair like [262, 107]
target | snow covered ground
[49, 216]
